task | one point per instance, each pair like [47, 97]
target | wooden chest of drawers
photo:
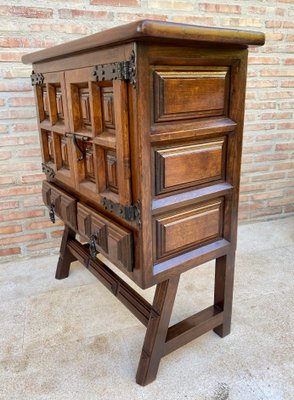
[141, 135]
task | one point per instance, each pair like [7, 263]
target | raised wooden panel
[64, 152]
[47, 145]
[89, 162]
[188, 228]
[63, 205]
[112, 240]
[190, 93]
[111, 171]
[189, 165]
[45, 101]
[108, 107]
[84, 102]
[59, 103]
[85, 110]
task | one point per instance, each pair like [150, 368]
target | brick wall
[267, 189]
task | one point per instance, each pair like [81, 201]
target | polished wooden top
[150, 30]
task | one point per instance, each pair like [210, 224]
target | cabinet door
[53, 125]
[98, 119]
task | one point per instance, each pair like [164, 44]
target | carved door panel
[98, 120]
[53, 125]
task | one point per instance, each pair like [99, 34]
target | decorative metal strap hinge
[37, 79]
[123, 70]
[129, 213]
[48, 171]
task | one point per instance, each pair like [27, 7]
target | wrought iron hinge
[37, 79]
[123, 70]
[130, 213]
[48, 171]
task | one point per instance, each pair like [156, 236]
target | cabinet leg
[223, 290]
[65, 258]
[153, 347]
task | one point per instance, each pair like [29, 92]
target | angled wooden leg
[223, 291]
[65, 258]
[153, 347]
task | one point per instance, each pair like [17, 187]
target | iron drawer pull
[84, 139]
[52, 214]
[93, 250]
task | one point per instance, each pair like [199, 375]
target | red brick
[274, 36]
[268, 211]
[62, 28]
[6, 180]
[252, 83]
[20, 140]
[289, 208]
[3, 128]
[26, 12]
[273, 24]
[11, 56]
[271, 157]
[6, 205]
[287, 84]
[263, 60]
[259, 127]
[19, 190]
[285, 115]
[31, 201]
[267, 195]
[73, 13]
[137, 16]
[9, 251]
[285, 146]
[22, 42]
[56, 234]
[19, 215]
[52, 244]
[119, 3]
[29, 152]
[5, 155]
[21, 101]
[285, 125]
[252, 187]
[30, 166]
[22, 238]
[24, 127]
[283, 166]
[9, 229]
[256, 10]
[11, 86]
[268, 176]
[17, 114]
[32, 178]
[39, 225]
[194, 20]
[220, 8]
[277, 72]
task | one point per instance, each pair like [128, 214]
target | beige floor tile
[37, 275]
[265, 235]
[73, 313]
[12, 326]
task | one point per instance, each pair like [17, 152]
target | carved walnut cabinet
[141, 134]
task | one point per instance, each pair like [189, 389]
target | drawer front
[110, 239]
[189, 165]
[188, 228]
[60, 203]
[190, 92]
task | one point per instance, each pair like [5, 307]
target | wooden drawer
[60, 203]
[189, 165]
[108, 238]
[190, 92]
[187, 228]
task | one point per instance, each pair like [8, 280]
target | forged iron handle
[93, 250]
[52, 214]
